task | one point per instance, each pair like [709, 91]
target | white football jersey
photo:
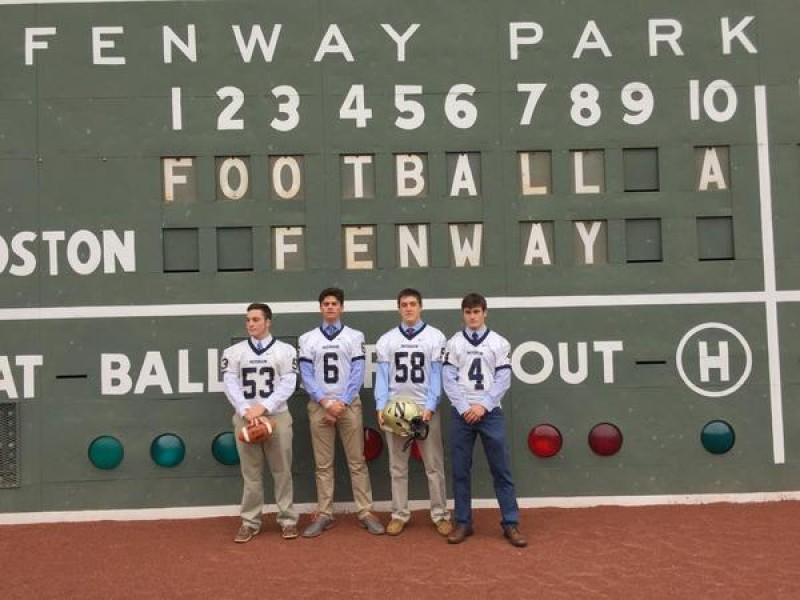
[410, 359]
[477, 361]
[332, 357]
[258, 372]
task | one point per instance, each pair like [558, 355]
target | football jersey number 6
[250, 386]
[330, 370]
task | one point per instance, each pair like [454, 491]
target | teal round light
[224, 448]
[106, 452]
[718, 437]
[167, 450]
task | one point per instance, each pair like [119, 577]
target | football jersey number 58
[257, 380]
[409, 365]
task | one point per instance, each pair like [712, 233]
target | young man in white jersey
[260, 375]
[409, 366]
[477, 372]
[332, 370]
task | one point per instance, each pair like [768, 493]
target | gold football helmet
[403, 417]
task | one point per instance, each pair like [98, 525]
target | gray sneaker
[320, 524]
[370, 523]
[245, 534]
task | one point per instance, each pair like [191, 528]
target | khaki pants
[323, 439]
[277, 453]
[433, 457]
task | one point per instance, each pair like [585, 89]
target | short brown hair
[337, 293]
[473, 300]
[264, 308]
[409, 292]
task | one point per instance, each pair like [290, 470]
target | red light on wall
[373, 444]
[545, 441]
[605, 439]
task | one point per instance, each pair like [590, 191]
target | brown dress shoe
[289, 532]
[459, 534]
[395, 527]
[514, 537]
[444, 527]
[245, 534]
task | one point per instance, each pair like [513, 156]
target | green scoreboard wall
[619, 179]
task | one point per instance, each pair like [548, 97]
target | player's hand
[469, 417]
[380, 418]
[253, 412]
[427, 415]
[329, 420]
[336, 408]
[474, 414]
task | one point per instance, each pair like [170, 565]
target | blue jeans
[492, 430]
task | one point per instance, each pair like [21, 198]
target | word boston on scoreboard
[622, 184]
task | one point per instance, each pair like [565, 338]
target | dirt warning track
[709, 551]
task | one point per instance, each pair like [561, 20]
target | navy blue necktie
[330, 330]
[410, 331]
[258, 346]
[474, 336]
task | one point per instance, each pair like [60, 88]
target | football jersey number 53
[257, 380]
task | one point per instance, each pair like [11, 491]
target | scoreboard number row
[717, 101]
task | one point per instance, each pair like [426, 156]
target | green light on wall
[718, 437]
[224, 448]
[106, 452]
[167, 450]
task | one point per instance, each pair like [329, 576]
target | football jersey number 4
[475, 373]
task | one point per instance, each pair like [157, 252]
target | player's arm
[353, 351]
[435, 380]
[434, 387]
[471, 413]
[450, 381]
[381, 390]
[285, 381]
[357, 369]
[309, 382]
[232, 387]
[382, 386]
[307, 371]
[502, 381]
[502, 378]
